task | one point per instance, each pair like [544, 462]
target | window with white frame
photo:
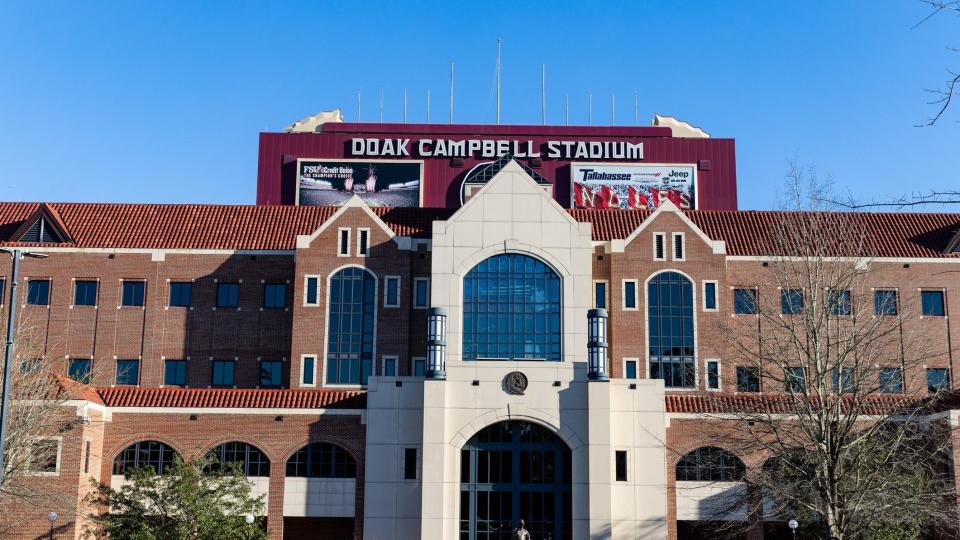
[343, 242]
[311, 290]
[710, 290]
[679, 249]
[421, 293]
[391, 291]
[388, 365]
[44, 459]
[308, 370]
[363, 242]
[600, 298]
[630, 294]
[418, 366]
[630, 368]
[713, 374]
[659, 246]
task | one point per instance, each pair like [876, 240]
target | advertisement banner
[630, 186]
[322, 182]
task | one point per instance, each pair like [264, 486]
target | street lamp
[249, 519]
[52, 516]
[793, 524]
[8, 356]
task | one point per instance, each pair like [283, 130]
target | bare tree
[943, 96]
[845, 424]
[39, 418]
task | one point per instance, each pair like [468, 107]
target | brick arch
[354, 453]
[683, 450]
[130, 441]
[244, 439]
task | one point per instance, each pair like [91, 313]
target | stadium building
[430, 331]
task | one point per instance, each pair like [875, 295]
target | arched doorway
[515, 470]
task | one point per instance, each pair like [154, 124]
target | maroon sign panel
[446, 153]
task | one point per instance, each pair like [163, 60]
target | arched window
[350, 326]
[511, 309]
[321, 460]
[710, 464]
[251, 459]
[670, 319]
[153, 454]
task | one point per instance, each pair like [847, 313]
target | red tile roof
[193, 226]
[233, 398]
[727, 404]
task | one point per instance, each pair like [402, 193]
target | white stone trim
[682, 245]
[304, 241]
[623, 295]
[341, 243]
[606, 293]
[662, 237]
[386, 287]
[315, 375]
[706, 375]
[363, 250]
[719, 247]
[417, 280]
[306, 279]
[716, 295]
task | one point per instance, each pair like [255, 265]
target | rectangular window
[419, 367]
[343, 247]
[659, 246]
[630, 294]
[175, 372]
[86, 457]
[223, 372]
[713, 374]
[307, 369]
[44, 457]
[842, 380]
[621, 460]
[678, 247]
[600, 294]
[311, 287]
[938, 379]
[745, 301]
[85, 293]
[630, 369]
[710, 296]
[676, 371]
[932, 303]
[270, 373]
[795, 380]
[391, 291]
[181, 294]
[839, 302]
[409, 463]
[133, 293]
[421, 292]
[748, 379]
[389, 366]
[228, 295]
[3, 290]
[78, 369]
[791, 301]
[128, 372]
[363, 242]
[891, 380]
[274, 295]
[885, 303]
[38, 292]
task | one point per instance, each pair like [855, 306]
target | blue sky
[162, 102]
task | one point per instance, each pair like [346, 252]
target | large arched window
[350, 326]
[511, 309]
[321, 460]
[252, 460]
[670, 320]
[153, 454]
[710, 464]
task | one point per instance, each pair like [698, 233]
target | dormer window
[42, 227]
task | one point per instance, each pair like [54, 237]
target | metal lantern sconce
[436, 343]
[597, 345]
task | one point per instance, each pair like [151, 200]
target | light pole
[793, 524]
[249, 519]
[8, 357]
[52, 516]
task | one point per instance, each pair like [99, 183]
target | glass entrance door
[512, 471]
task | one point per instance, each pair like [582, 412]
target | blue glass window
[932, 303]
[175, 372]
[78, 369]
[745, 301]
[631, 369]
[133, 292]
[270, 373]
[308, 362]
[275, 295]
[670, 310]
[228, 295]
[128, 372]
[511, 309]
[885, 302]
[891, 380]
[181, 294]
[85, 293]
[937, 379]
[38, 292]
[350, 326]
[791, 301]
[709, 295]
[223, 371]
[840, 303]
